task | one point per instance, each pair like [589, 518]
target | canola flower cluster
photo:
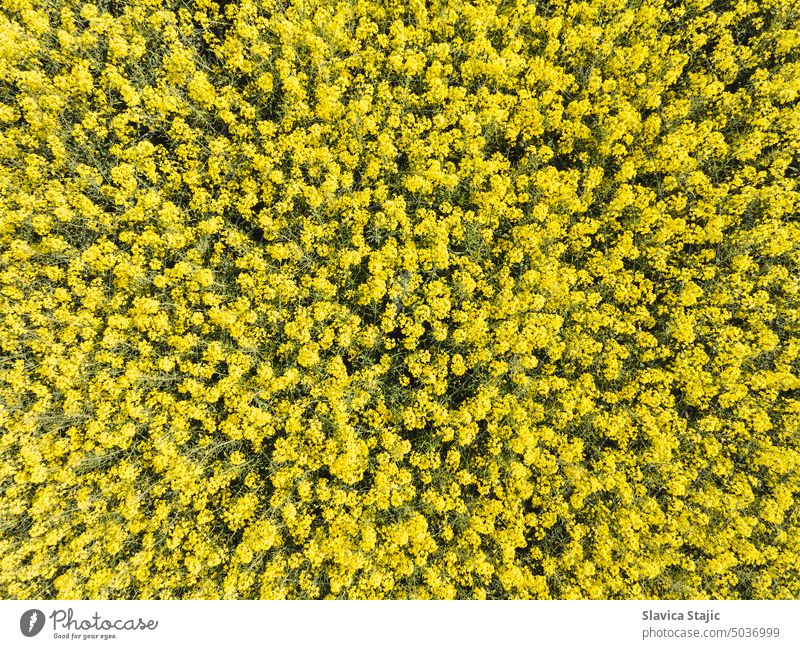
[399, 299]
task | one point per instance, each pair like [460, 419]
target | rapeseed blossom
[389, 299]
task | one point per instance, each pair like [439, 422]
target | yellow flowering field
[399, 299]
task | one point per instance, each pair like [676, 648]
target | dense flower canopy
[399, 299]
